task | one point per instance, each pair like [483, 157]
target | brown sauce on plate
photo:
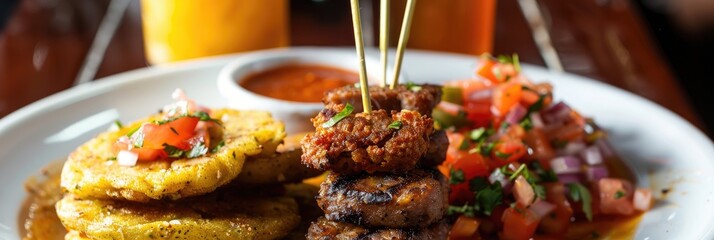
[38, 218]
[298, 83]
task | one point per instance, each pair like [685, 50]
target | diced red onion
[481, 95]
[558, 112]
[541, 209]
[572, 148]
[523, 191]
[498, 176]
[565, 164]
[450, 108]
[591, 155]
[127, 158]
[605, 148]
[569, 178]
[595, 173]
[642, 199]
[537, 120]
[515, 115]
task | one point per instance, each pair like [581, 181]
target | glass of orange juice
[462, 26]
[183, 29]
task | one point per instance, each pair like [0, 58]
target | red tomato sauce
[299, 83]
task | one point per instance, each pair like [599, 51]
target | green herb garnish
[456, 176]
[197, 151]
[173, 151]
[488, 198]
[218, 146]
[395, 125]
[118, 124]
[501, 155]
[578, 193]
[413, 87]
[339, 116]
[477, 134]
[619, 194]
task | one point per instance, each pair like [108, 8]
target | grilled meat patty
[414, 199]
[420, 98]
[436, 154]
[365, 142]
[324, 229]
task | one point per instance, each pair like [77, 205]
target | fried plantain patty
[223, 214]
[420, 98]
[365, 142]
[413, 199]
[305, 195]
[74, 235]
[90, 173]
[281, 167]
[324, 229]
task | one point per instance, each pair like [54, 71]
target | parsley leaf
[501, 155]
[395, 125]
[118, 124]
[466, 210]
[173, 151]
[478, 184]
[478, 134]
[488, 198]
[197, 150]
[526, 123]
[619, 194]
[538, 105]
[456, 176]
[339, 116]
[486, 148]
[578, 193]
[218, 147]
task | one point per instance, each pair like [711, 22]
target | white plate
[663, 149]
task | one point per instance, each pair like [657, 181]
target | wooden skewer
[359, 45]
[403, 39]
[384, 38]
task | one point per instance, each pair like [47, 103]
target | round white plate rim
[68, 97]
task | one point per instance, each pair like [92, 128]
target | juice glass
[462, 26]
[182, 29]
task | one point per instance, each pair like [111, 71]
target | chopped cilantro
[118, 124]
[502, 155]
[138, 139]
[538, 105]
[464, 144]
[395, 125]
[339, 116]
[578, 193]
[466, 210]
[172, 151]
[413, 87]
[112, 159]
[478, 134]
[218, 147]
[197, 150]
[486, 148]
[539, 191]
[488, 198]
[131, 132]
[456, 176]
[517, 173]
[478, 184]
[619, 194]
[526, 123]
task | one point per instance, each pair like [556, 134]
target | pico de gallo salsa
[522, 164]
[184, 130]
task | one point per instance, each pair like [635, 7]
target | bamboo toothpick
[403, 39]
[359, 45]
[384, 38]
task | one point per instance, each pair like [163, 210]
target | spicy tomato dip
[299, 83]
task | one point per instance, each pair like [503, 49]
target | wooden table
[45, 42]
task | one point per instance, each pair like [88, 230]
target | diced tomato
[478, 112]
[146, 154]
[615, 196]
[174, 133]
[518, 223]
[464, 228]
[568, 132]
[506, 152]
[541, 146]
[460, 194]
[505, 96]
[472, 164]
[486, 70]
[558, 221]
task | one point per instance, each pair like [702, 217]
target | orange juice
[182, 29]
[462, 26]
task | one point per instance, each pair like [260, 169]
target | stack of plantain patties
[382, 183]
[183, 198]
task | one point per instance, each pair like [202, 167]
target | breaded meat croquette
[415, 199]
[92, 172]
[324, 229]
[376, 142]
[219, 215]
[420, 98]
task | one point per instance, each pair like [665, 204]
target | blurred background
[658, 49]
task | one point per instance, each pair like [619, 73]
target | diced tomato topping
[615, 196]
[486, 71]
[558, 221]
[174, 133]
[464, 228]
[541, 146]
[147, 154]
[519, 223]
[507, 152]
[505, 96]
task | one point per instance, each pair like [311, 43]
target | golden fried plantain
[90, 173]
[305, 195]
[280, 167]
[223, 214]
[74, 235]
